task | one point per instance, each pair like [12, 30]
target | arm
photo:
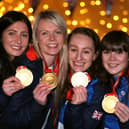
[85, 115]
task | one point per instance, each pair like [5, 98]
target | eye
[119, 51]
[86, 51]
[106, 51]
[11, 33]
[44, 33]
[58, 32]
[72, 49]
[24, 34]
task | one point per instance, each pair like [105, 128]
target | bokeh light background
[88, 13]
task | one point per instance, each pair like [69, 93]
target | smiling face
[114, 61]
[15, 39]
[50, 38]
[81, 52]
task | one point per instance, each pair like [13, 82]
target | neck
[50, 60]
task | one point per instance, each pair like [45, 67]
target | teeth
[80, 64]
[52, 45]
[112, 65]
[15, 47]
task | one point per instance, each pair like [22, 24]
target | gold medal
[109, 103]
[24, 75]
[51, 79]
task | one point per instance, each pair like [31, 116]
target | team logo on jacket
[97, 115]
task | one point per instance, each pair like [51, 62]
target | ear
[95, 56]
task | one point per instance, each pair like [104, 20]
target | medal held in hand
[109, 103]
[80, 78]
[110, 99]
[24, 75]
[51, 77]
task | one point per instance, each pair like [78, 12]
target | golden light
[82, 23]
[45, 6]
[10, 7]
[9, 1]
[122, 0]
[115, 18]
[21, 6]
[26, 1]
[82, 4]
[68, 22]
[1, 14]
[124, 29]
[102, 22]
[125, 20]
[125, 12]
[74, 22]
[90, 13]
[1, 3]
[98, 2]
[65, 4]
[96, 30]
[30, 10]
[3, 9]
[92, 2]
[68, 31]
[88, 21]
[67, 12]
[109, 25]
[83, 11]
[31, 18]
[102, 13]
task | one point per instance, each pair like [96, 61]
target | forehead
[45, 23]
[81, 40]
[19, 26]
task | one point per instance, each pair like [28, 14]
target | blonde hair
[59, 21]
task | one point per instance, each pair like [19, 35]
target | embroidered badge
[97, 115]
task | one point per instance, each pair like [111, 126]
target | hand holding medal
[24, 75]
[110, 99]
[78, 79]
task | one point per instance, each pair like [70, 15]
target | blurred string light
[86, 13]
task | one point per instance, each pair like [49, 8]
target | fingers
[122, 112]
[11, 85]
[41, 92]
[80, 95]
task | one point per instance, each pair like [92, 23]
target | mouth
[112, 65]
[78, 64]
[16, 47]
[52, 45]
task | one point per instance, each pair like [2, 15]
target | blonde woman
[49, 40]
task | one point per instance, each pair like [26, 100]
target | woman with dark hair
[83, 111]
[15, 98]
[115, 60]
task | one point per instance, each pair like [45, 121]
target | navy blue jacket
[21, 111]
[87, 115]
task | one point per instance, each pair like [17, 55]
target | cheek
[61, 41]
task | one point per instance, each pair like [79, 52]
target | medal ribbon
[116, 84]
[56, 66]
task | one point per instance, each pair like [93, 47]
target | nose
[112, 55]
[51, 36]
[19, 39]
[79, 55]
